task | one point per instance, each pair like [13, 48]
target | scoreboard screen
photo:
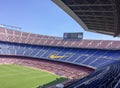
[73, 36]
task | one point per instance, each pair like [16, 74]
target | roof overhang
[100, 16]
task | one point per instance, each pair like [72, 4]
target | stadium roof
[101, 16]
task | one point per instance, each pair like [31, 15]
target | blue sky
[41, 17]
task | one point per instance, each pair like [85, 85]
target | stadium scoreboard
[73, 36]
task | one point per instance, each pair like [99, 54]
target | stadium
[68, 62]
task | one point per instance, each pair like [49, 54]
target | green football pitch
[14, 76]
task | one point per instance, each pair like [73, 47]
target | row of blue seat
[105, 77]
[87, 57]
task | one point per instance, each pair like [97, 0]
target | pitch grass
[14, 76]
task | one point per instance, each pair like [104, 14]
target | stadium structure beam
[98, 22]
[96, 16]
[91, 23]
[93, 11]
[103, 20]
[115, 19]
[100, 25]
[101, 29]
[79, 5]
[106, 32]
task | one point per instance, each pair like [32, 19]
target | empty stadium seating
[105, 77]
[67, 70]
[83, 53]
[87, 57]
[10, 35]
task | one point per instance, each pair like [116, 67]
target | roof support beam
[99, 20]
[101, 26]
[74, 5]
[104, 25]
[96, 16]
[93, 11]
[101, 29]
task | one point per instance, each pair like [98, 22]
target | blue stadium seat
[105, 77]
[87, 57]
